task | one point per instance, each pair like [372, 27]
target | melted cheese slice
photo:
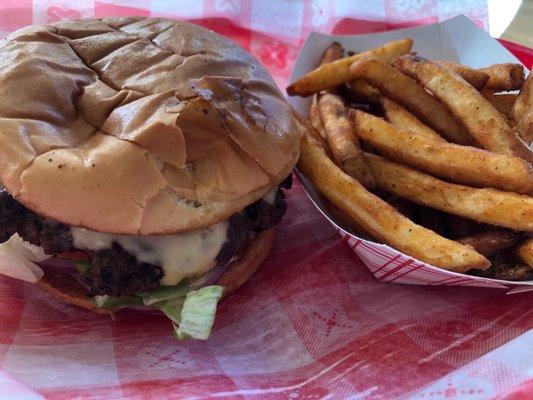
[180, 256]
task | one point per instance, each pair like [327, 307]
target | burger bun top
[138, 126]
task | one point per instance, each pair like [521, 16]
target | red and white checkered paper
[312, 323]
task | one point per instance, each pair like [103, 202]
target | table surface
[312, 323]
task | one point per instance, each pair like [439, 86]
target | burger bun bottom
[65, 288]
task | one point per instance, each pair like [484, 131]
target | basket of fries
[419, 151]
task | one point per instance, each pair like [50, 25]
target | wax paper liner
[457, 39]
[311, 323]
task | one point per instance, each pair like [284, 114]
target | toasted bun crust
[138, 126]
[243, 268]
[65, 288]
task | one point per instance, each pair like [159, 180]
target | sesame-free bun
[138, 126]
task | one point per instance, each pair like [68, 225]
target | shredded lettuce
[117, 302]
[167, 293]
[82, 266]
[172, 309]
[191, 309]
[198, 313]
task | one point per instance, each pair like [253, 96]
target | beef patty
[115, 271]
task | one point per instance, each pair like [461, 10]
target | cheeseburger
[152, 152]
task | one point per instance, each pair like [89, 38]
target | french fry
[410, 94]
[504, 77]
[476, 78]
[334, 52]
[312, 131]
[481, 119]
[502, 102]
[491, 241]
[346, 220]
[524, 251]
[380, 219]
[491, 206]
[461, 164]
[342, 141]
[522, 112]
[505, 270]
[524, 127]
[403, 119]
[314, 116]
[524, 101]
[363, 91]
[338, 72]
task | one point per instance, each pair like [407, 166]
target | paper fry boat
[457, 39]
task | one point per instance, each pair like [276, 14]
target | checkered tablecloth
[313, 323]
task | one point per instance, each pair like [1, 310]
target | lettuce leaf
[198, 313]
[117, 302]
[82, 266]
[191, 309]
[166, 293]
[172, 309]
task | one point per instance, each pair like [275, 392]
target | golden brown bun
[138, 126]
[65, 288]
[242, 269]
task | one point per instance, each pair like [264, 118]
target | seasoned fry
[414, 97]
[482, 120]
[524, 101]
[502, 102]
[332, 53]
[335, 73]
[314, 116]
[505, 270]
[380, 219]
[363, 91]
[524, 251]
[346, 220]
[403, 119]
[312, 131]
[502, 77]
[491, 241]
[461, 164]
[342, 140]
[476, 78]
[506, 209]
[522, 112]
[524, 127]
